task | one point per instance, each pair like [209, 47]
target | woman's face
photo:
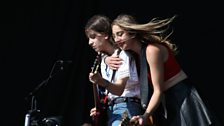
[96, 40]
[121, 37]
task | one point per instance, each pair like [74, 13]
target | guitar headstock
[96, 63]
[125, 119]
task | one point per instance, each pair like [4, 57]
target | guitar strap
[117, 53]
[145, 85]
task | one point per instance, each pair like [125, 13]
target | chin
[124, 48]
[97, 50]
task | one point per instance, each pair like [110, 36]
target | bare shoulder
[156, 50]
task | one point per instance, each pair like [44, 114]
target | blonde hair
[155, 31]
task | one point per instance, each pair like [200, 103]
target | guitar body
[101, 107]
[101, 119]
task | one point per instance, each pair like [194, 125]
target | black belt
[123, 99]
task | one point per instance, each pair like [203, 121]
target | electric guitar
[126, 121]
[99, 99]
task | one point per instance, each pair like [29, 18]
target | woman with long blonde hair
[170, 97]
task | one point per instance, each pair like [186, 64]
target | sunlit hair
[155, 31]
[100, 24]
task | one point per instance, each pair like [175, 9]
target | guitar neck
[95, 95]
[94, 70]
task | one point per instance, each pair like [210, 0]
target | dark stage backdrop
[35, 34]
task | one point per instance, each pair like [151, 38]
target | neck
[109, 49]
[136, 47]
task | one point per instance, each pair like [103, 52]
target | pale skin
[114, 62]
[156, 55]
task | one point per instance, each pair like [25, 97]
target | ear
[133, 35]
[106, 37]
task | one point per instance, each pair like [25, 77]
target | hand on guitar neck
[99, 111]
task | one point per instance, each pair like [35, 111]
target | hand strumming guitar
[94, 112]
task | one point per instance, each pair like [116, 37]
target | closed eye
[118, 34]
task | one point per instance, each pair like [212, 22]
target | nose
[116, 39]
[90, 42]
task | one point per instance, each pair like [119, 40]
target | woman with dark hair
[122, 86]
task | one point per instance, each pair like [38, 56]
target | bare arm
[155, 58]
[116, 88]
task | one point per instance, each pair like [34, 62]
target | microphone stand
[34, 110]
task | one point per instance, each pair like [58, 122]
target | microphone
[64, 61]
[27, 119]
